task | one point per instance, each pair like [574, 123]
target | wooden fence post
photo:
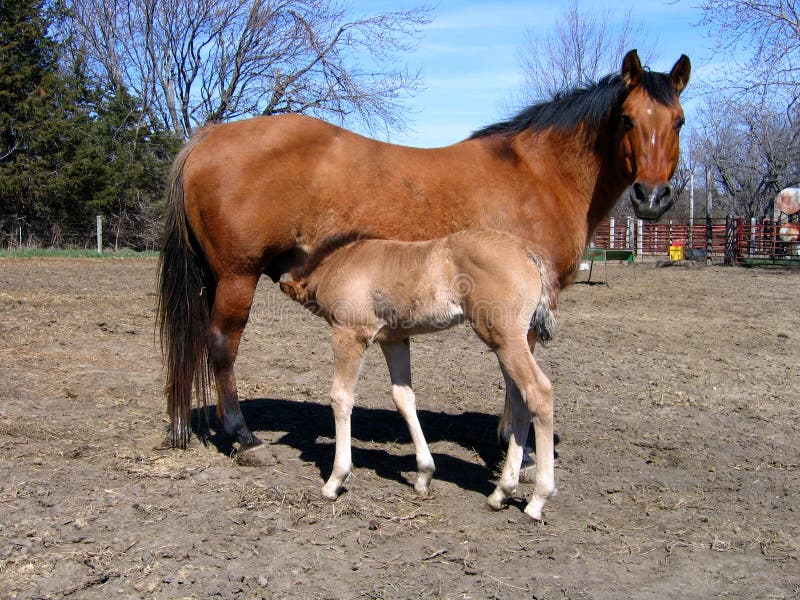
[611, 232]
[99, 234]
[639, 237]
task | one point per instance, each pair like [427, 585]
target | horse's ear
[631, 69]
[680, 73]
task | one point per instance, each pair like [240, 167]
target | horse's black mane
[590, 105]
[324, 249]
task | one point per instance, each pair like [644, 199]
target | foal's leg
[348, 353]
[517, 419]
[535, 398]
[398, 358]
[232, 301]
[504, 435]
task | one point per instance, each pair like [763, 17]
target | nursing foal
[384, 291]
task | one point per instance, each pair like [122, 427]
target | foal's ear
[631, 69]
[680, 73]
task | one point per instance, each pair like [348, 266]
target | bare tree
[752, 152]
[768, 32]
[201, 61]
[582, 46]
[751, 130]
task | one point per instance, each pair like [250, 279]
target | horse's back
[259, 189]
[262, 186]
[246, 185]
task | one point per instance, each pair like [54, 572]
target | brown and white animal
[252, 197]
[384, 291]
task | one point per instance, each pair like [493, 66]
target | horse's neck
[586, 167]
[586, 182]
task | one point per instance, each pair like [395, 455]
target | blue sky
[469, 56]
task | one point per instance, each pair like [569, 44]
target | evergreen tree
[68, 148]
[28, 75]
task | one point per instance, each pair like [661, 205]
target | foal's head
[649, 124]
[297, 290]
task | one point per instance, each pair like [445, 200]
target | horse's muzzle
[650, 202]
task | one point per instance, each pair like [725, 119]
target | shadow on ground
[305, 422]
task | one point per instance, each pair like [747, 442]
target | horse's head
[649, 125]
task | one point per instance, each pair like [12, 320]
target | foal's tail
[186, 289]
[543, 322]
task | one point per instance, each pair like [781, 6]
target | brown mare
[385, 291]
[251, 197]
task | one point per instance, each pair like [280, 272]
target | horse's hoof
[257, 456]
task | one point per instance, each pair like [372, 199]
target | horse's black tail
[186, 289]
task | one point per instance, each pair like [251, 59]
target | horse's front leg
[232, 300]
[348, 353]
[398, 359]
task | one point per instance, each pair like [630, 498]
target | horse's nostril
[638, 191]
[666, 192]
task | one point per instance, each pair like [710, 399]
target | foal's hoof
[257, 456]
[535, 512]
[497, 500]
[422, 489]
[535, 506]
[329, 493]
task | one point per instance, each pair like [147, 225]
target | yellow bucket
[676, 252]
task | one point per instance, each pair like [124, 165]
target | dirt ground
[678, 468]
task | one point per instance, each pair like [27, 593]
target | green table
[604, 255]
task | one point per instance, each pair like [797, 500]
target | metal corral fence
[732, 240]
[767, 241]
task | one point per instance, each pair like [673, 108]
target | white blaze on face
[653, 135]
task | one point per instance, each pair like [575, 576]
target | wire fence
[113, 232]
[734, 240]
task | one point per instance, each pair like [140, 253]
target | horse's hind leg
[232, 300]
[398, 359]
[526, 473]
[348, 352]
[535, 397]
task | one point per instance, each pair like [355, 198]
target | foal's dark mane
[324, 249]
[590, 105]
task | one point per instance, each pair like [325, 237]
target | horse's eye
[679, 123]
[627, 121]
